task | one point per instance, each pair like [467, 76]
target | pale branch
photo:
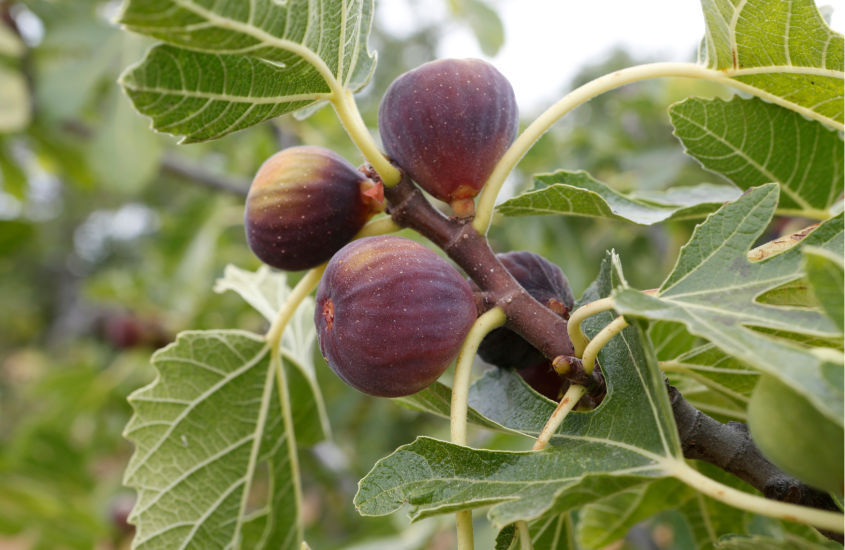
[730, 447]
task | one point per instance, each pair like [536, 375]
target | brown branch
[545, 329]
[730, 447]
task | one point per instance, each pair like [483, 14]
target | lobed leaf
[713, 287]
[783, 51]
[206, 426]
[752, 143]
[229, 65]
[578, 194]
[267, 291]
[553, 533]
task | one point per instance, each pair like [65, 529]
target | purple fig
[391, 315]
[547, 284]
[447, 123]
[304, 204]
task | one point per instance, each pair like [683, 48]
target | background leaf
[232, 65]
[825, 274]
[738, 139]
[784, 52]
[578, 194]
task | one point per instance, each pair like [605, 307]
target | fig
[447, 123]
[304, 204]
[544, 380]
[547, 284]
[391, 315]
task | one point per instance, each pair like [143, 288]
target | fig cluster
[391, 315]
[447, 123]
[547, 284]
[304, 204]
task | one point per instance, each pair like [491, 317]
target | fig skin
[544, 380]
[304, 204]
[447, 123]
[547, 284]
[391, 315]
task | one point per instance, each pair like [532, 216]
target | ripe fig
[447, 123]
[304, 204]
[543, 379]
[547, 284]
[391, 315]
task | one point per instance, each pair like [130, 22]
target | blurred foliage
[107, 251]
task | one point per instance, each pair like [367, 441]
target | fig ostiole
[304, 205]
[447, 123]
[391, 315]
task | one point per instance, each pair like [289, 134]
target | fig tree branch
[730, 447]
[182, 167]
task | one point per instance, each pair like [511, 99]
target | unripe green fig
[547, 284]
[304, 204]
[391, 315]
[447, 123]
[796, 436]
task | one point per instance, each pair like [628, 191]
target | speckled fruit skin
[304, 204]
[544, 380]
[545, 282]
[391, 315]
[447, 123]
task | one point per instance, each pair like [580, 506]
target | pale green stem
[601, 339]
[460, 392]
[576, 335]
[381, 226]
[487, 200]
[524, 536]
[347, 110]
[831, 521]
[460, 387]
[570, 399]
[302, 289]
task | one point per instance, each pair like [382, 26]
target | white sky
[547, 41]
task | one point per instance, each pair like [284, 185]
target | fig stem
[524, 535]
[579, 339]
[526, 140]
[570, 399]
[601, 339]
[302, 289]
[381, 226]
[830, 521]
[347, 111]
[460, 392]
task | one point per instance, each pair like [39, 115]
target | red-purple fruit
[447, 123]
[391, 315]
[304, 204]
[547, 284]
[543, 379]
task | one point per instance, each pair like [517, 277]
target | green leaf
[267, 291]
[781, 51]
[15, 105]
[553, 533]
[485, 24]
[713, 287]
[230, 65]
[437, 399]
[204, 431]
[578, 194]
[717, 370]
[752, 143]
[827, 277]
[608, 520]
[739, 542]
[629, 440]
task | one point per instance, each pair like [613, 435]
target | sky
[547, 41]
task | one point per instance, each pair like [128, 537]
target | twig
[180, 166]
